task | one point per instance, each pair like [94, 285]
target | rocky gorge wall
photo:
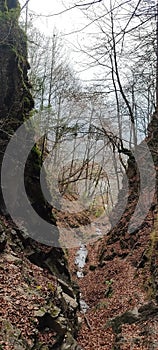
[139, 247]
[39, 300]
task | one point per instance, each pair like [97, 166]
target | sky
[69, 24]
[66, 23]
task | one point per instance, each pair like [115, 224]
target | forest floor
[24, 289]
[122, 313]
[112, 289]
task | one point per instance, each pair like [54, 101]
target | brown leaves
[128, 292]
[20, 297]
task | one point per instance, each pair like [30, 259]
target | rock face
[153, 145]
[7, 5]
[15, 97]
[59, 303]
[131, 191]
[11, 4]
[141, 249]
[16, 104]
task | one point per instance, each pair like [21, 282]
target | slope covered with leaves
[119, 291]
[120, 277]
[39, 302]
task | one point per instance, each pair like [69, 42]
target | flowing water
[82, 253]
[80, 261]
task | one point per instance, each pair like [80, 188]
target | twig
[87, 322]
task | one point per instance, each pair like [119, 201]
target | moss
[153, 242]
[151, 256]
[154, 238]
[11, 15]
[149, 288]
[21, 62]
[51, 287]
[26, 102]
[36, 154]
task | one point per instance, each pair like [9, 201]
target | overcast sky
[68, 22]
[65, 22]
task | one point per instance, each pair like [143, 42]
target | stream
[80, 261]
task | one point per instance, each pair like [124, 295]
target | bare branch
[70, 8]
[26, 3]
[88, 3]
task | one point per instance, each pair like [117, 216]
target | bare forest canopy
[99, 119]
